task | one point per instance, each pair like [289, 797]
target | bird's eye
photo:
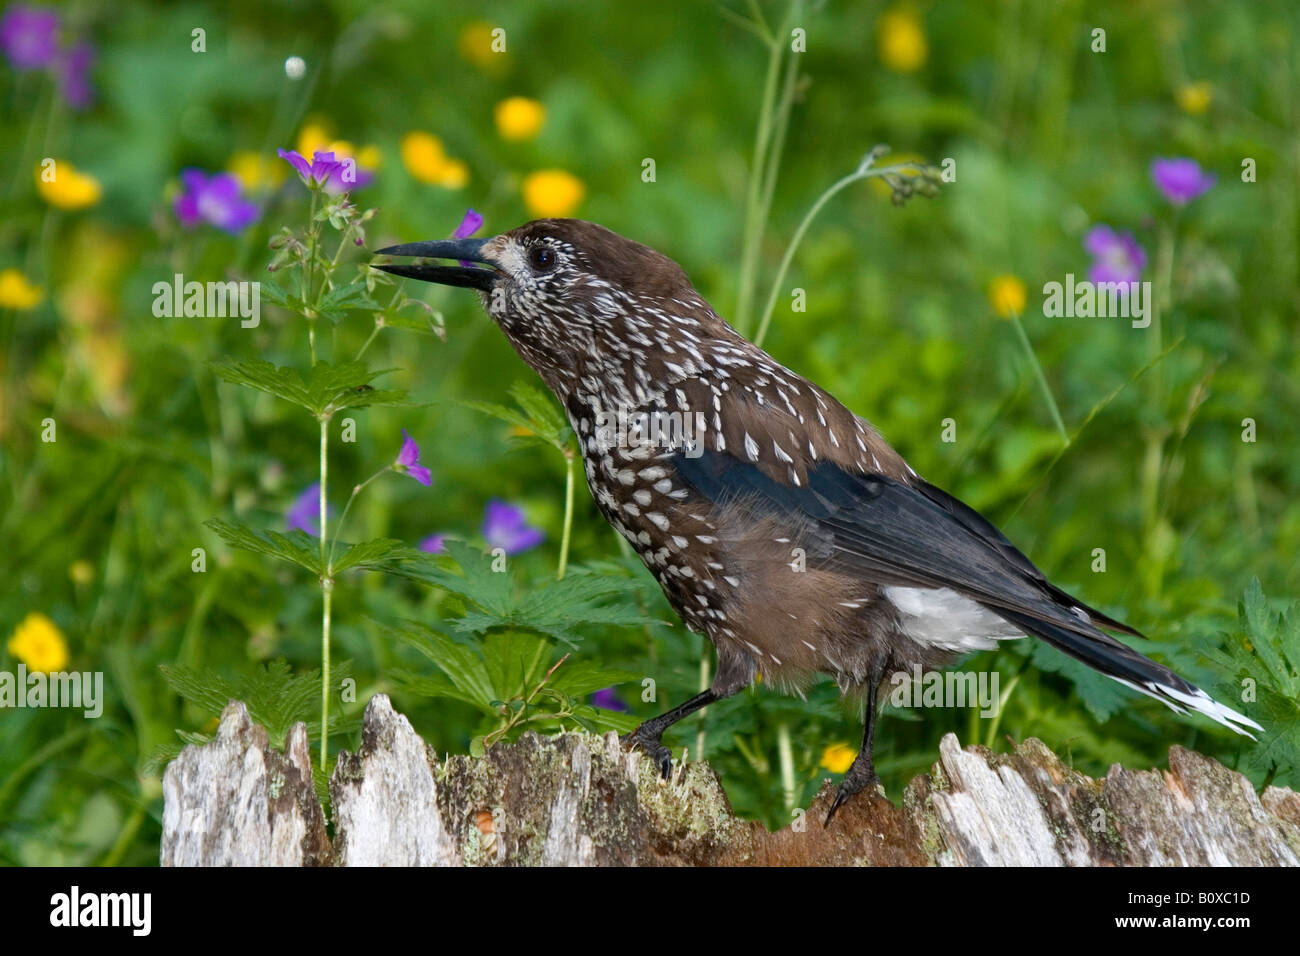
[541, 258]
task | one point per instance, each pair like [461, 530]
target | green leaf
[428, 323]
[368, 554]
[335, 387]
[463, 665]
[296, 546]
[1263, 659]
[540, 407]
[477, 582]
[581, 677]
[553, 608]
[257, 374]
[327, 388]
[276, 295]
[538, 415]
[340, 300]
[275, 697]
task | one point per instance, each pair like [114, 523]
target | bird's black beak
[467, 250]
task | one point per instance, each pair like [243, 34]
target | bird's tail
[1120, 662]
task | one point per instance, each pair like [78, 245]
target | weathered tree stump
[578, 799]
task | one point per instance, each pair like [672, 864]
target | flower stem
[864, 171]
[705, 676]
[753, 227]
[1153, 457]
[327, 591]
[308, 274]
[334, 263]
[569, 466]
[1042, 380]
[786, 755]
[338, 528]
[373, 335]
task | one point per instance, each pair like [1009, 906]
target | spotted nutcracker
[785, 529]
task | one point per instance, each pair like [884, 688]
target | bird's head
[565, 292]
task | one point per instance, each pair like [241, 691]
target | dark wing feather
[895, 533]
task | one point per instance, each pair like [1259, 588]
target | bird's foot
[652, 745]
[859, 778]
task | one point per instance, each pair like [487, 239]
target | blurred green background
[1049, 139]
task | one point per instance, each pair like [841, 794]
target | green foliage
[295, 546]
[276, 697]
[328, 388]
[538, 418]
[558, 609]
[1263, 656]
[507, 676]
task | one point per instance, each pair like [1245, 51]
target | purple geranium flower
[29, 36]
[213, 199]
[607, 700]
[433, 544]
[1181, 180]
[72, 68]
[318, 171]
[471, 224]
[408, 461]
[504, 528]
[304, 513]
[1116, 256]
[348, 177]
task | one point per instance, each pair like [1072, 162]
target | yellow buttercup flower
[425, 159]
[476, 46]
[312, 137]
[81, 571]
[39, 644]
[369, 157]
[17, 293]
[423, 156]
[837, 758]
[455, 174]
[1007, 296]
[1195, 98]
[902, 40]
[552, 193]
[519, 118]
[256, 171]
[66, 187]
[315, 137]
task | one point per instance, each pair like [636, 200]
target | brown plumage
[778, 522]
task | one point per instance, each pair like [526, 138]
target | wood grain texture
[579, 800]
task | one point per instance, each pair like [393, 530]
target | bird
[778, 523]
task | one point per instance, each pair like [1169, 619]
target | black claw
[665, 762]
[855, 781]
[653, 748]
[841, 798]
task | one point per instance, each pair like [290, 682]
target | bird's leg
[862, 774]
[649, 736]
